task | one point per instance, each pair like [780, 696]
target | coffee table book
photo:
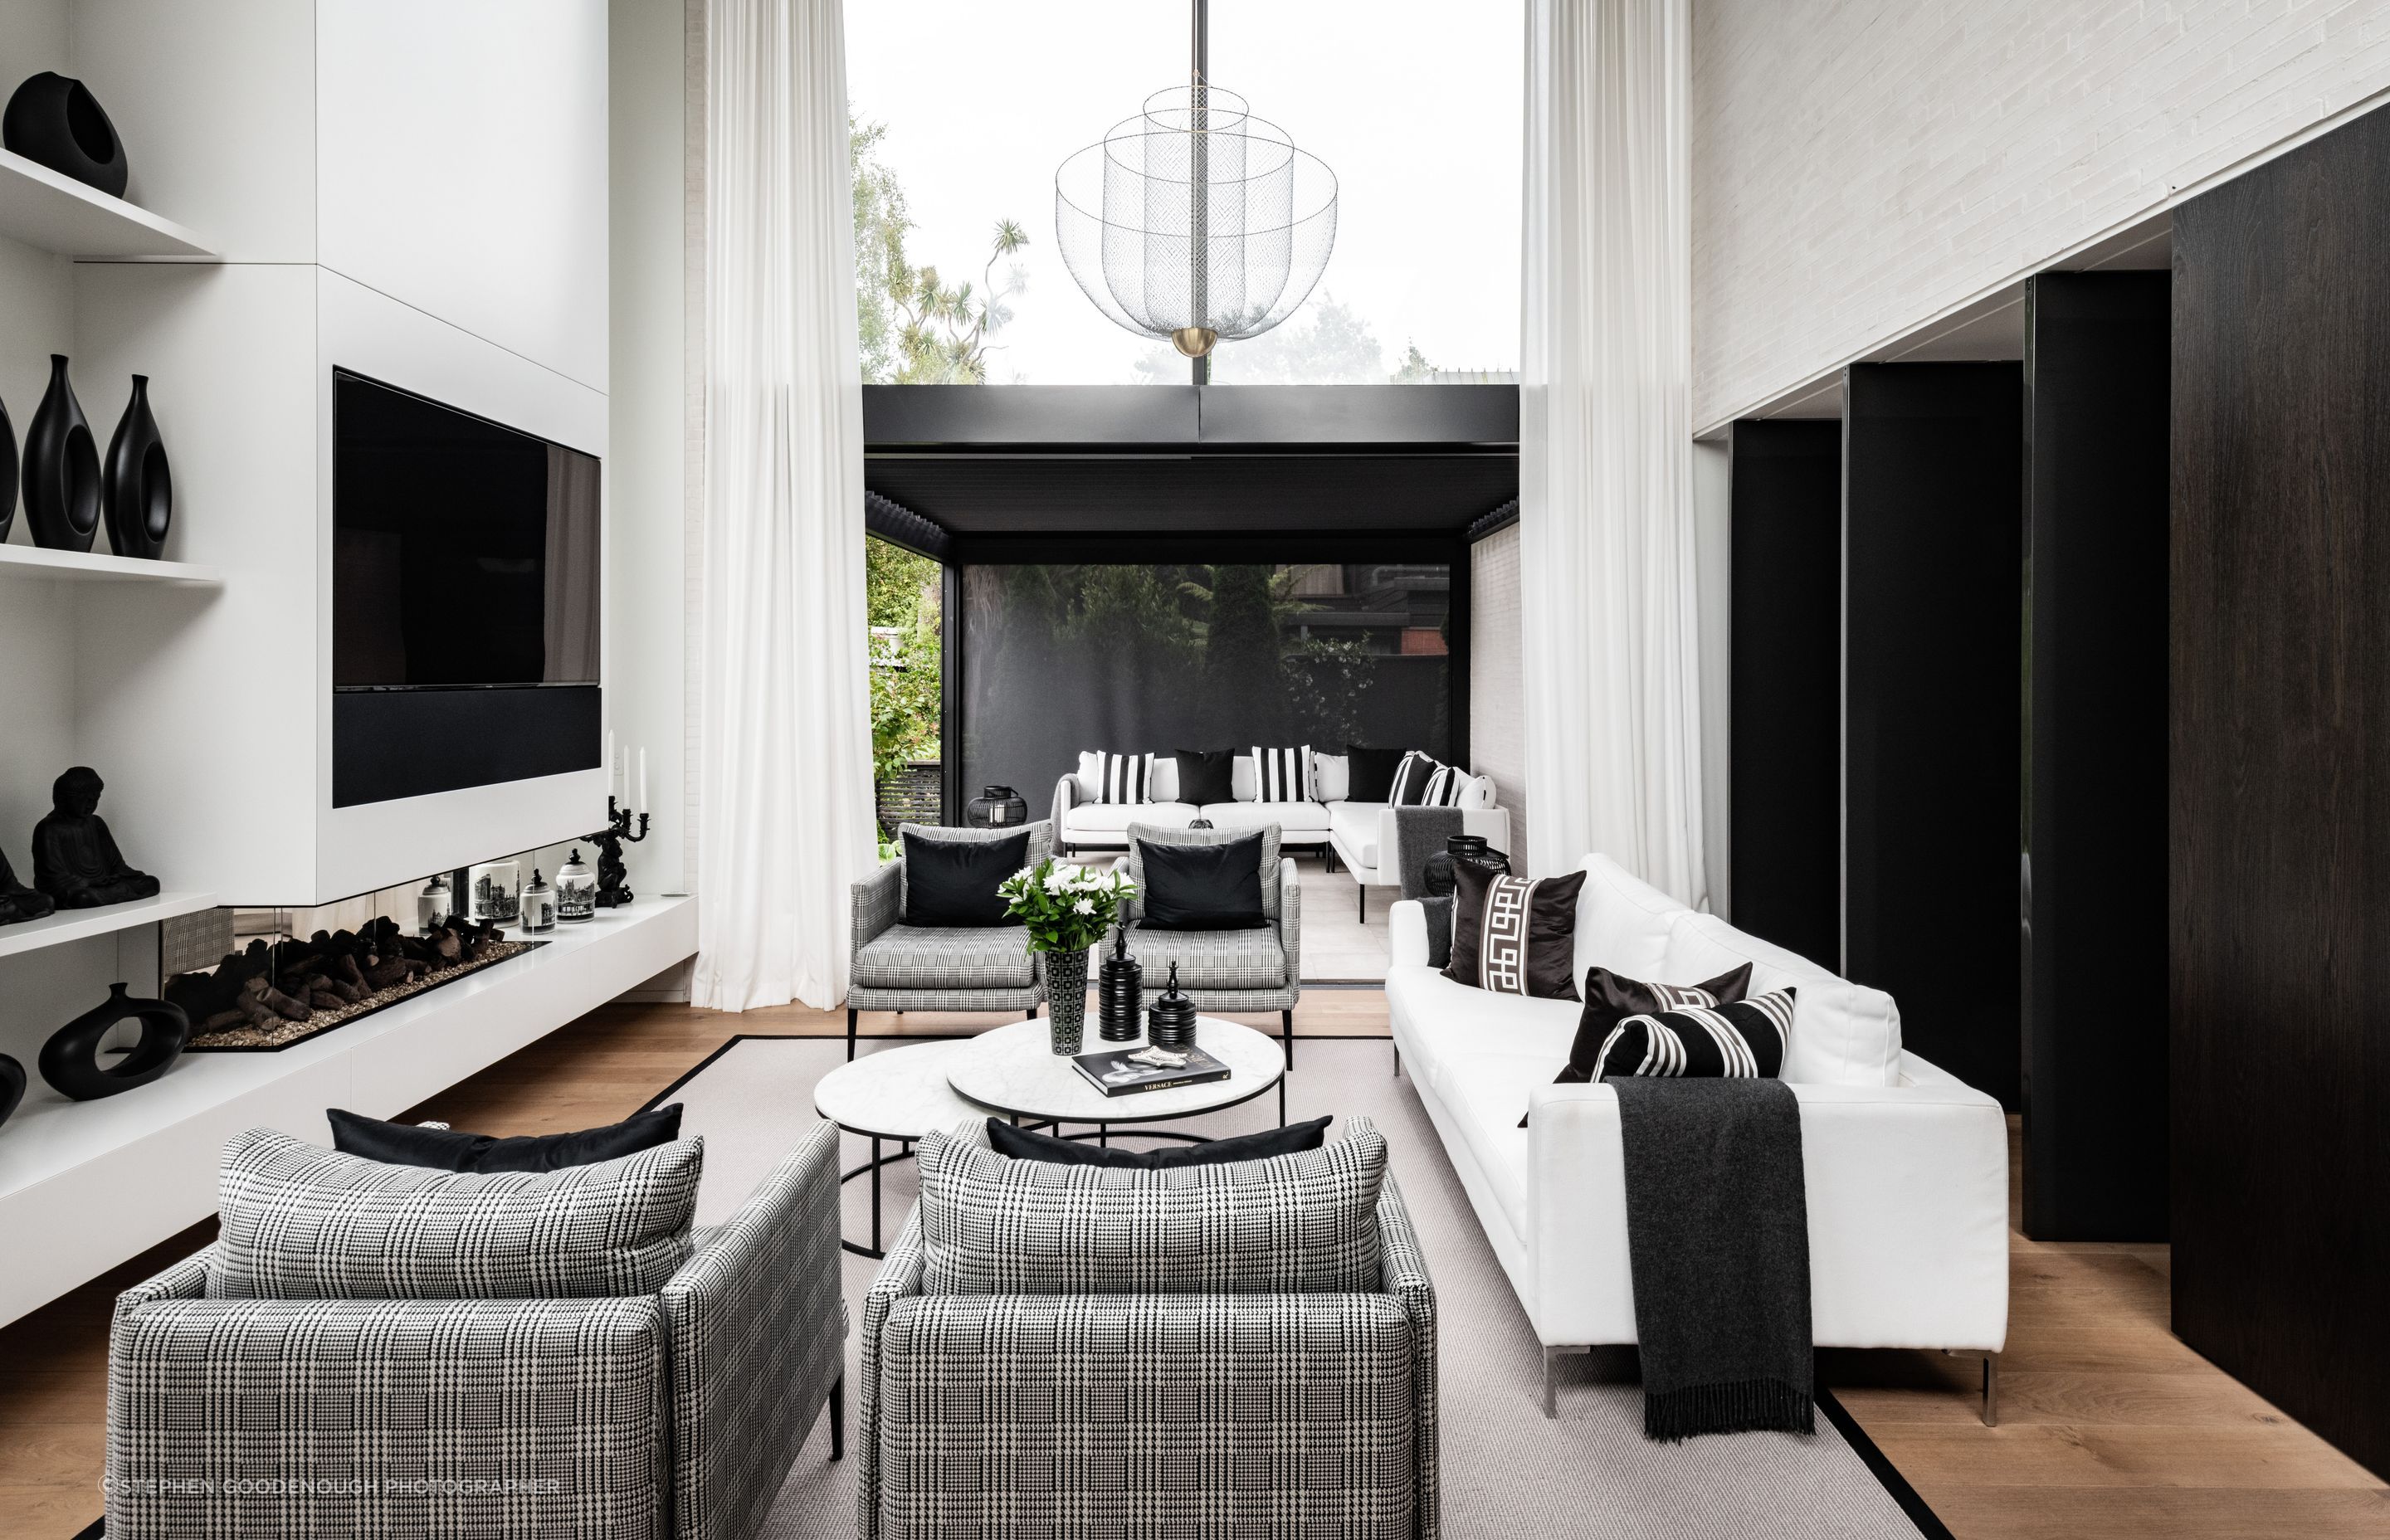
[1116, 1074]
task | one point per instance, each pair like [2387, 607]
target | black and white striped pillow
[1122, 778]
[1282, 774]
[1411, 780]
[1446, 786]
[1744, 1040]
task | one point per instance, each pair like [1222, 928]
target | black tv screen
[464, 552]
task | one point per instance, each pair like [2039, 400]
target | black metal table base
[1101, 1134]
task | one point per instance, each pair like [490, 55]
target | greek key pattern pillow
[1291, 1225]
[1514, 935]
[303, 1222]
[1745, 1040]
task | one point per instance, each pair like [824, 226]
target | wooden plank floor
[2109, 1427]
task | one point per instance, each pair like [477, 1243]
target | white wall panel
[464, 166]
[1498, 721]
[1860, 168]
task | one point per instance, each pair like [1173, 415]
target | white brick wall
[1497, 718]
[1861, 166]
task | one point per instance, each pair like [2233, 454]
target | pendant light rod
[1199, 182]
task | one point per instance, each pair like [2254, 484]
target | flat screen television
[464, 552]
[465, 599]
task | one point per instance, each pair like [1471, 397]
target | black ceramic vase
[62, 469]
[12, 1085]
[1170, 1022]
[57, 122]
[137, 490]
[1120, 985]
[70, 1059]
[7, 473]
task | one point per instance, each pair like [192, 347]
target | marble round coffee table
[897, 1093]
[1014, 1071]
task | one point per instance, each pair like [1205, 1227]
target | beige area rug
[1508, 1473]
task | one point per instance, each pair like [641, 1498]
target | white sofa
[1907, 1169]
[1083, 824]
[1364, 835]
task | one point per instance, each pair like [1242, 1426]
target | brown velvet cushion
[1514, 935]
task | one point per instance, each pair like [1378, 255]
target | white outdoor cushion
[1113, 817]
[1330, 775]
[1243, 784]
[1623, 924]
[1291, 817]
[1356, 825]
[1467, 1022]
[1477, 792]
[1487, 1093]
[1843, 1034]
[1162, 787]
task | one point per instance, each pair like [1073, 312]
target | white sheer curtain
[784, 811]
[1605, 448]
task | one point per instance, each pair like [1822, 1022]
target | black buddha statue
[16, 901]
[75, 859]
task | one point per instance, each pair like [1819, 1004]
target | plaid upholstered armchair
[1234, 970]
[893, 966]
[672, 1415]
[1292, 1412]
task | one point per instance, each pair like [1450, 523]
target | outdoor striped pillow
[1411, 780]
[1122, 778]
[1743, 1039]
[1282, 774]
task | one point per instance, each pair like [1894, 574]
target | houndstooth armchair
[1266, 1414]
[1236, 970]
[893, 966]
[673, 1415]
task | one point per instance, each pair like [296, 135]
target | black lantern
[1119, 986]
[1435, 873]
[1171, 1023]
[997, 807]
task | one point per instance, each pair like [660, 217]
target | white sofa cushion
[1331, 775]
[1356, 825]
[1624, 923]
[1115, 817]
[1486, 1094]
[1460, 1023]
[1162, 787]
[1291, 817]
[1843, 1034]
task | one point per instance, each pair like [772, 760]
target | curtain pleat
[1605, 444]
[784, 807]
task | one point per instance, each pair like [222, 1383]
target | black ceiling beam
[1206, 419]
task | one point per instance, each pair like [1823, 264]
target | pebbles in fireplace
[273, 994]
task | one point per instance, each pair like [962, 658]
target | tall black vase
[137, 490]
[7, 473]
[57, 122]
[12, 1085]
[70, 1059]
[62, 469]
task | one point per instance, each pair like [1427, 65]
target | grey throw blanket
[1419, 832]
[1717, 1234]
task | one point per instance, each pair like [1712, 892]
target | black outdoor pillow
[1206, 776]
[953, 882]
[1610, 998]
[1369, 773]
[401, 1144]
[1022, 1145]
[1203, 887]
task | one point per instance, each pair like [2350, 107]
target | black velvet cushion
[1203, 887]
[1369, 773]
[1207, 775]
[400, 1144]
[1610, 999]
[953, 882]
[1514, 935]
[1022, 1144]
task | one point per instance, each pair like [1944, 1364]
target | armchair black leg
[1033, 1014]
[850, 1034]
[1286, 1034]
[838, 1418]
[1362, 894]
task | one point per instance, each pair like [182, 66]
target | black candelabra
[613, 877]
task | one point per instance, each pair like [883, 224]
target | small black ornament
[613, 877]
[19, 903]
[137, 487]
[1436, 872]
[1171, 1023]
[1119, 986]
[12, 1085]
[62, 469]
[70, 1059]
[57, 122]
[997, 807]
[76, 863]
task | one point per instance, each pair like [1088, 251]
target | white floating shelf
[57, 213]
[67, 925]
[35, 563]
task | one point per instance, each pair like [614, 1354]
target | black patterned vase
[55, 122]
[62, 469]
[1066, 998]
[136, 489]
[12, 1085]
[70, 1060]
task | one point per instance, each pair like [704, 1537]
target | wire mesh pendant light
[1196, 221]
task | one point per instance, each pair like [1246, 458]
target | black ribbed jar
[1119, 986]
[1171, 1021]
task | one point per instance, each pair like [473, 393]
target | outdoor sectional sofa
[1907, 1169]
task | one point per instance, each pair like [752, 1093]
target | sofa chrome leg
[838, 1418]
[850, 1034]
[1551, 1392]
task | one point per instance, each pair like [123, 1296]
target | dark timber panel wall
[2280, 754]
[1786, 496]
[1932, 547]
[2095, 1039]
